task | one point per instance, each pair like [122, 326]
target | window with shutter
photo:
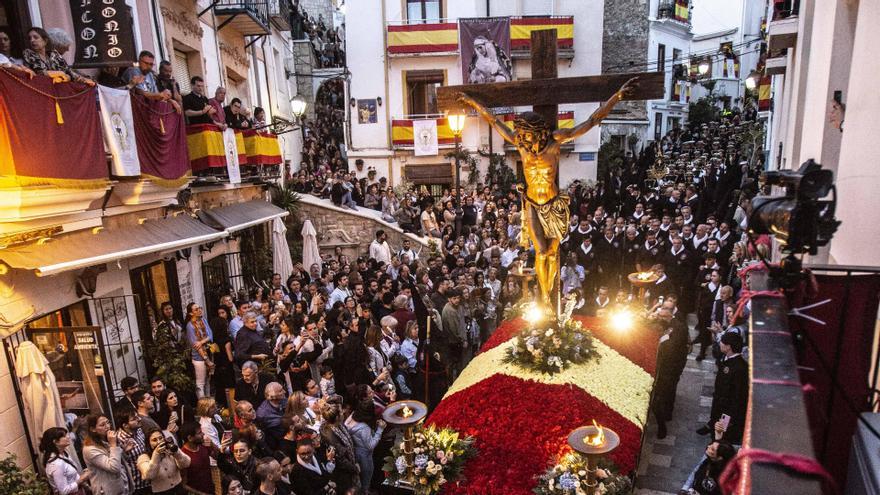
[181, 71]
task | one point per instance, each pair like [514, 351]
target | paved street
[665, 464]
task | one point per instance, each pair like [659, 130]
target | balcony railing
[248, 17]
[440, 37]
[258, 154]
[783, 9]
[675, 10]
[279, 13]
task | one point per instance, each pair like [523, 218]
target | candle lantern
[593, 442]
[406, 413]
[642, 280]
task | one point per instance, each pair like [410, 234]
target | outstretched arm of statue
[488, 116]
[566, 135]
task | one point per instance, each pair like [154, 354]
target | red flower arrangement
[517, 438]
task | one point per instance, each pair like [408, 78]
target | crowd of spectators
[327, 42]
[304, 368]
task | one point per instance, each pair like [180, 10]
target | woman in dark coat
[224, 373]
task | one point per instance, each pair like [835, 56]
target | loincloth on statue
[553, 215]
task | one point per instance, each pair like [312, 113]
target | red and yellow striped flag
[402, 132]
[423, 38]
[521, 31]
[262, 148]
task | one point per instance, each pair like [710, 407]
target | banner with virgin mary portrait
[485, 50]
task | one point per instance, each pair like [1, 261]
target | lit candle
[596, 440]
[406, 411]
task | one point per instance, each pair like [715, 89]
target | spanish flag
[262, 148]
[682, 12]
[765, 100]
[423, 38]
[205, 143]
[521, 31]
[402, 133]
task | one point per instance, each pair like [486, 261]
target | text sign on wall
[103, 32]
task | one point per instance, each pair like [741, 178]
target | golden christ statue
[545, 211]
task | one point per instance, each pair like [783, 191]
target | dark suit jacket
[731, 396]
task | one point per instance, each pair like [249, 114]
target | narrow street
[665, 464]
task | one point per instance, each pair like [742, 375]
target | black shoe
[661, 430]
[704, 430]
[701, 356]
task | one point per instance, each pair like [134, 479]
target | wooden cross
[545, 91]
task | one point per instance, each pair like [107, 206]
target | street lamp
[298, 106]
[456, 125]
[703, 67]
[752, 80]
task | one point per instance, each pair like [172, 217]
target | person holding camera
[162, 464]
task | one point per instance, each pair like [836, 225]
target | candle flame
[598, 439]
[644, 275]
[406, 411]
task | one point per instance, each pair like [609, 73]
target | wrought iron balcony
[279, 13]
[248, 17]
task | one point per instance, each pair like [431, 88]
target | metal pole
[457, 174]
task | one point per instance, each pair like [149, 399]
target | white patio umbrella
[281, 261]
[311, 255]
[42, 405]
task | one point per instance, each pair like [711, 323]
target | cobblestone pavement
[665, 464]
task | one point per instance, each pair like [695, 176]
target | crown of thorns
[530, 121]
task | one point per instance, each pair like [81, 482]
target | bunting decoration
[514, 435]
[205, 145]
[36, 143]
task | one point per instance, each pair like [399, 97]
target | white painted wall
[858, 179]
[366, 57]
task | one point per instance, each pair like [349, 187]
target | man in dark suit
[252, 386]
[671, 359]
[705, 301]
[731, 393]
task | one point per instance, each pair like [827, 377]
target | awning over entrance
[240, 216]
[82, 249]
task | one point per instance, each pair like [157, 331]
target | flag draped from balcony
[230, 147]
[161, 142]
[402, 135]
[423, 38]
[765, 100]
[262, 148]
[682, 12]
[521, 31]
[425, 137]
[205, 146]
[49, 133]
[119, 135]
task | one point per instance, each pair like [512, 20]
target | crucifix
[545, 211]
